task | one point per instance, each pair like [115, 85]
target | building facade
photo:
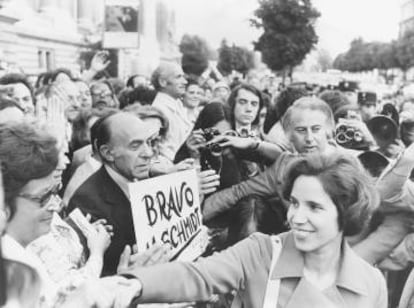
[407, 17]
[41, 35]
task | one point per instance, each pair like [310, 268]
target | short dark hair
[345, 181]
[27, 152]
[95, 129]
[286, 98]
[130, 81]
[190, 82]
[141, 94]
[212, 114]
[232, 101]
[102, 131]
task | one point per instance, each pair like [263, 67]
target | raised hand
[100, 61]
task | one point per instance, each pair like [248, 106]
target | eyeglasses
[102, 94]
[42, 200]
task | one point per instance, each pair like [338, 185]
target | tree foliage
[324, 60]
[288, 31]
[234, 58]
[365, 56]
[404, 51]
[196, 54]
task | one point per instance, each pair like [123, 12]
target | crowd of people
[306, 191]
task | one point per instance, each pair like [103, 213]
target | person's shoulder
[364, 273]
[90, 187]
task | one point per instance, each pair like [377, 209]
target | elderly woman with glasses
[31, 164]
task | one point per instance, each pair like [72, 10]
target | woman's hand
[130, 258]
[99, 239]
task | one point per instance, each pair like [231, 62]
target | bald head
[169, 78]
[127, 146]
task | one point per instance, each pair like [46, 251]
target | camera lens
[341, 138]
[350, 133]
[216, 149]
[341, 128]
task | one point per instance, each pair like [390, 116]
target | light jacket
[245, 268]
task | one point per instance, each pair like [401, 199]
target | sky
[340, 21]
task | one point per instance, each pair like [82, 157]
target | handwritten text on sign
[166, 209]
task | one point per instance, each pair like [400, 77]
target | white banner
[121, 24]
[166, 209]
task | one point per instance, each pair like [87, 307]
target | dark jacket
[101, 197]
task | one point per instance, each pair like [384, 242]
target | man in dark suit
[125, 147]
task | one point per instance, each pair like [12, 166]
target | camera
[214, 148]
[348, 136]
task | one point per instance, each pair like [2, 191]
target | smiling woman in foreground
[330, 197]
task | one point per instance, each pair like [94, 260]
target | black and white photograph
[207, 153]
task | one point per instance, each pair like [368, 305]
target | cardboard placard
[121, 24]
[166, 209]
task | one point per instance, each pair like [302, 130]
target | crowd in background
[75, 143]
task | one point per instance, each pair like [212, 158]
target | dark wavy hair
[27, 152]
[345, 181]
[231, 101]
[281, 103]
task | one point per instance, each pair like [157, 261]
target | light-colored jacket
[179, 124]
[245, 268]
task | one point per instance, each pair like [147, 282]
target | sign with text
[121, 24]
[166, 209]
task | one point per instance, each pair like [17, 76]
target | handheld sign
[166, 209]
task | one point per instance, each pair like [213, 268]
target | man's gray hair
[307, 103]
[162, 71]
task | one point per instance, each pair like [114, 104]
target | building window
[46, 59]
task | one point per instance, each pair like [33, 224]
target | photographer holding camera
[350, 131]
